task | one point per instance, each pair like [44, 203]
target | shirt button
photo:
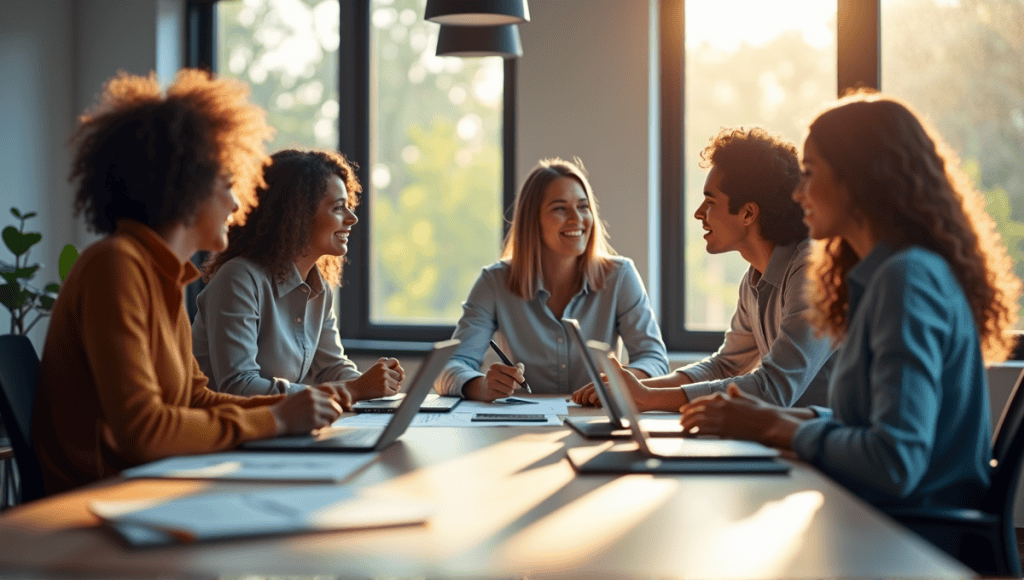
[563, 365]
[298, 320]
[559, 341]
[305, 290]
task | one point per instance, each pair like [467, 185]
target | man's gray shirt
[770, 327]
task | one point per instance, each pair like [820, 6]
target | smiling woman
[556, 263]
[270, 293]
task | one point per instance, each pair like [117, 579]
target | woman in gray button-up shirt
[265, 322]
[556, 263]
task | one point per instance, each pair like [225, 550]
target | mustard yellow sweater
[119, 385]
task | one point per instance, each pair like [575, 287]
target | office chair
[19, 376]
[982, 538]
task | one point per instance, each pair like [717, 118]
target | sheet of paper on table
[253, 465]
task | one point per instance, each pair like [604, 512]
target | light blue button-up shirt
[909, 396]
[529, 333]
[255, 336]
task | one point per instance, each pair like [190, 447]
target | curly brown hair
[907, 183]
[760, 167]
[276, 231]
[153, 158]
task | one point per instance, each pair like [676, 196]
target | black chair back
[19, 377]
[1008, 458]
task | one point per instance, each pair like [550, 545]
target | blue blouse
[529, 333]
[910, 422]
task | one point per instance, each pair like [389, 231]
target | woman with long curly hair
[910, 275]
[118, 383]
[556, 263]
[265, 322]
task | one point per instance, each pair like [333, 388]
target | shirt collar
[584, 289]
[315, 282]
[167, 265]
[860, 275]
[778, 263]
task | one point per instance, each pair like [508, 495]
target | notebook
[434, 403]
[368, 438]
[614, 426]
[679, 454]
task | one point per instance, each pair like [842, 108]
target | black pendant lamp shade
[500, 41]
[477, 12]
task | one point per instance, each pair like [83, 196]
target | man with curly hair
[118, 383]
[770, 350]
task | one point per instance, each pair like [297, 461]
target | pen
[505, 360]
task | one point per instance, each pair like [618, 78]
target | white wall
[584, 90]
[36, 56]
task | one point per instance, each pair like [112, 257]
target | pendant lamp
[477, 12]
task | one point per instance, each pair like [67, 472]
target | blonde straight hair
[523, 245]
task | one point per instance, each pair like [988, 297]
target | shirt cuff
[287, 387]
[809, 438]
[822, 412]
[695, 390]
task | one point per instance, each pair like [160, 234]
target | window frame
[357, 332]
[858, 43]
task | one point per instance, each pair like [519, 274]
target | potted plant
[22, 299]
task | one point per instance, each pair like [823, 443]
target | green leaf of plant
[9, 276]
[26, 272]
[18, 242]
[67, 259]
[30, 214]
[46, 302]
[9, 295]
[53, 287]
[16, 213]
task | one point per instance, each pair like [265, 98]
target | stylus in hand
[505, 360]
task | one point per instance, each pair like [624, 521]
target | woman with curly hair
[911, 276]
[265, 322]
[556, 263]
[118, 384]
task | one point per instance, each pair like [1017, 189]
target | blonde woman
[556, 263]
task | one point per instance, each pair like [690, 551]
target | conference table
[508, 505]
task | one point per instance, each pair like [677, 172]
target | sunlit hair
[763, 168]
[905, 181]
[524, 244]
[155, 157]
[276, 231]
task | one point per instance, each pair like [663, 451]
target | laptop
[339, 439]
[434, 403]
[615, 425]
[678, 447]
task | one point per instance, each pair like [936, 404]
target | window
[957, 61]
[432, 138]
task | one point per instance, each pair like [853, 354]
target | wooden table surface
[508, 504]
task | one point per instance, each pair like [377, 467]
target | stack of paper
[235, 515]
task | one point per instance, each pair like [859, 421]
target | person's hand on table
[383, 379]
[339, 392]
[738, 415]
[587, 396]
[500, 381]
[304, 411]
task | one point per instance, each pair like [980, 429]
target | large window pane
[287, 50]
[435, 174]
[959, 62]
[748, 62]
